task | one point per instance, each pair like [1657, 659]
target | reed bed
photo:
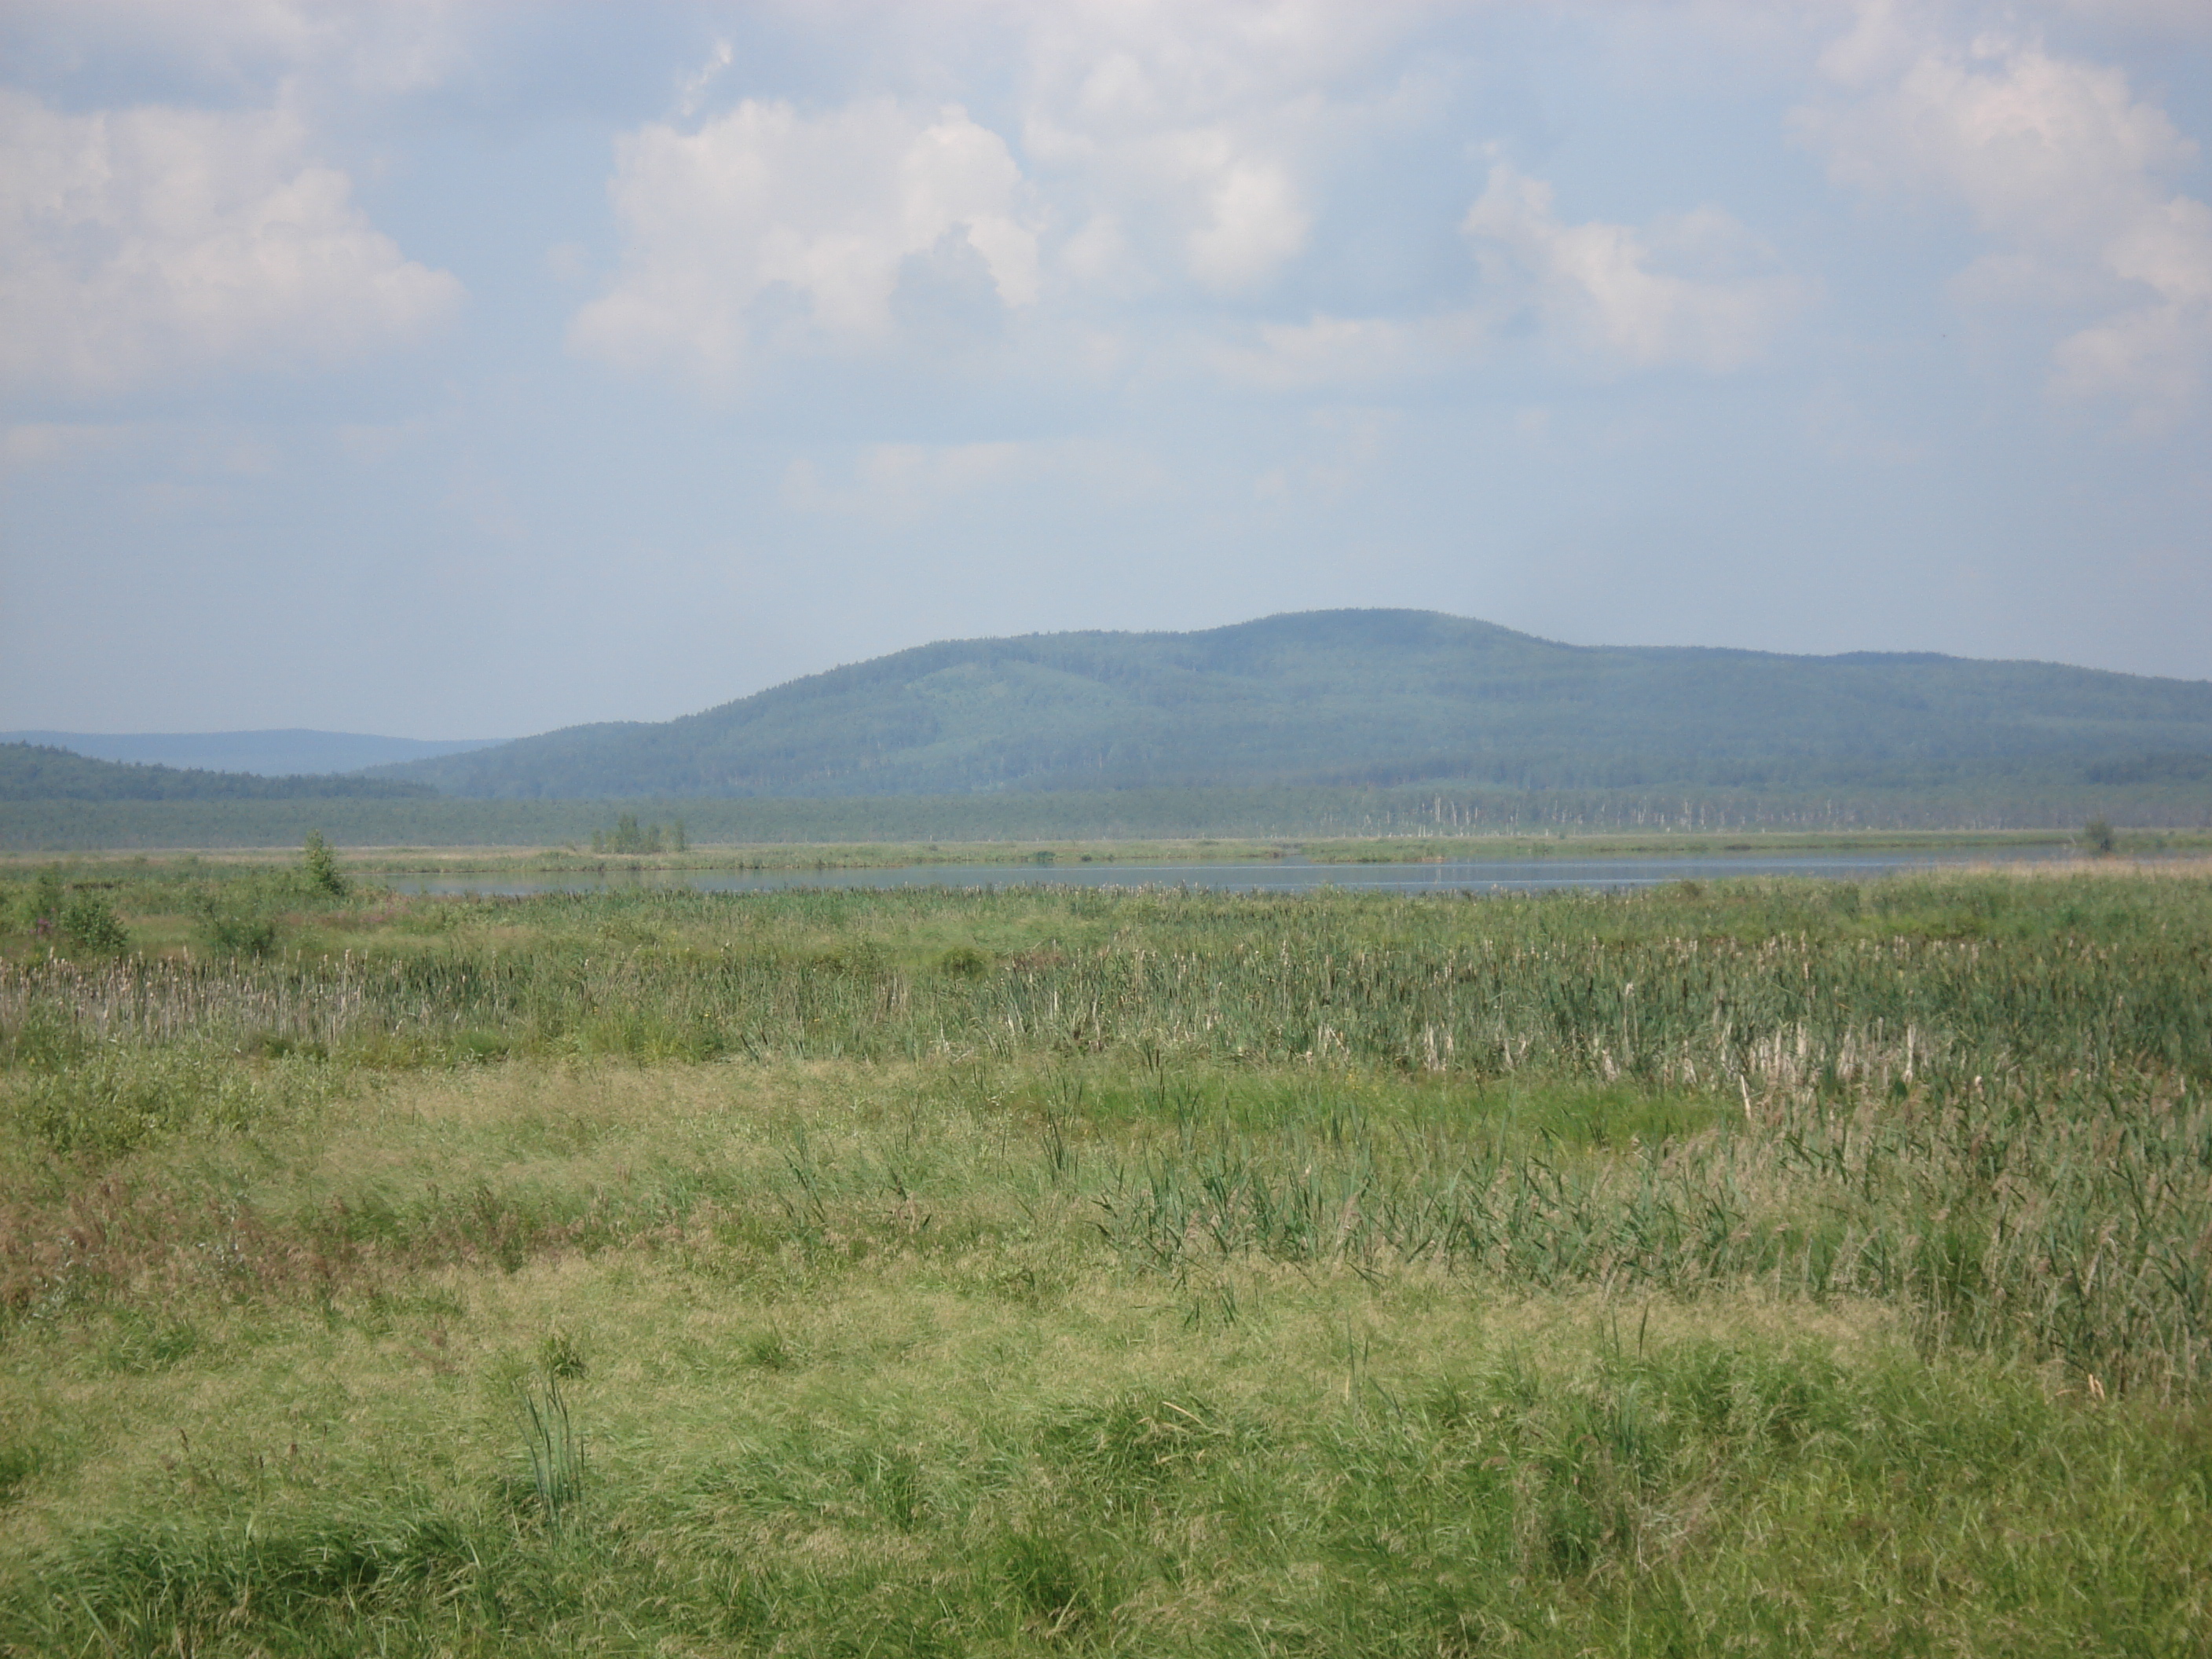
[1990, 977]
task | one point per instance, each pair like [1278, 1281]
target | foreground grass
[1790, 1268]
[848, 1373]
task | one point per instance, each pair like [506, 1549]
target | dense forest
[285, 751]
[32, 772]
[1379, 700]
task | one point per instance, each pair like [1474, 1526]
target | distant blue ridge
[292, 752]
[1379, 700]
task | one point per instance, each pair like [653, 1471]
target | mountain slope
[1377, 697]
[287, 753]
[31, 773]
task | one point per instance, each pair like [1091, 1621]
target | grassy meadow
[1762, 1266]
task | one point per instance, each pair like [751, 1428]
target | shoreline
[780, 856]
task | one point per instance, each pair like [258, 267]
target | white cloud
[692, 92]
[2056, 161]
[1165, 152]
[1251, 218]
[1190, 141]
[1697, 289]
[141, 244]
[824, 209]
[1206, 204]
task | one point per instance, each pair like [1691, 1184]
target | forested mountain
[30, 772]
[1377, 698]
[276, 754]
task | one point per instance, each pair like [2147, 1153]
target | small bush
[90, 921]
[630, 837]
[2098, 839]
[234, 932]
[964, 961]
[43, 909]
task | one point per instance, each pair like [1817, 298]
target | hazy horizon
[399, 369]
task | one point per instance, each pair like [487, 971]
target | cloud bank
[1696, 287]
[767, 223]
[139, 245]
[2058, 163]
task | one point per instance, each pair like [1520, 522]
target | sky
[457, 369]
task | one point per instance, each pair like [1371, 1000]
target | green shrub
[964, 961]
[235, 931]
[239, 918]
[42, 910]
[630, 837]
[89, 920]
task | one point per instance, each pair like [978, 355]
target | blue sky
[457, 370]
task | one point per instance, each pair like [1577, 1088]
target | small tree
[321, 866]
[2098, 839]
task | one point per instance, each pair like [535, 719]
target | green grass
[1061, 1271]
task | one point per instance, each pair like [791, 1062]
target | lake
[1288, 875]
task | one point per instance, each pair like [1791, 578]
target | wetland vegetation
[1759, 1266]
[2032, 804]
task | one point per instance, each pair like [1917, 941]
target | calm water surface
[1289, 875]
